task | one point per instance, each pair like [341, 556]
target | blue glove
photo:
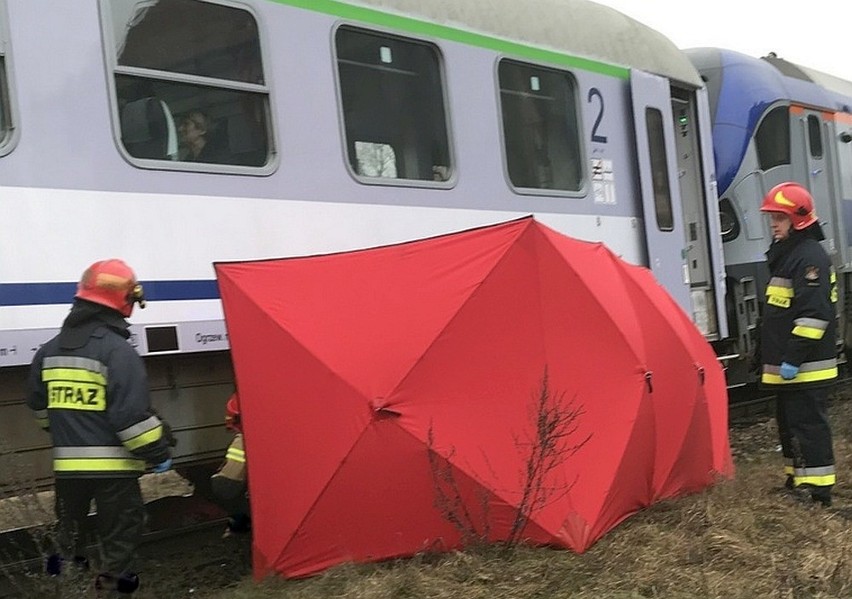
[788, 371]
[163, 466]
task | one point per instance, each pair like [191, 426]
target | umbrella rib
[320, 495]
[307, 349]
[455, 315]
[619, 331]
[356, 392]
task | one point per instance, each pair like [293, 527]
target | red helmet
[232, 414]
[111, 283]
[793, 200]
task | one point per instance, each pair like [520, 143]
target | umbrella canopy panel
[389, 393]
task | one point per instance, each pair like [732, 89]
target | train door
[698, 221]
[674, 197]
[702, 132]
[819, 173]
[658, 175]
[818, 146]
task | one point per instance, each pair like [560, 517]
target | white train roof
[573, 27]
[824, 80]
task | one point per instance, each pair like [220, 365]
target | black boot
[821, 496]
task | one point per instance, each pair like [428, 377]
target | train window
[6, 121]
[773, 138]
[189, 83]
[540, 127]
[728, 221]
[659, 169]
[815, 136]
[392, 99]
[844, 161]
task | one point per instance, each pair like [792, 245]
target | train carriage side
[332, 126]
[774, 121]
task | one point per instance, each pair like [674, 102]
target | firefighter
[88, 388]
[798, 340]
[229, 483]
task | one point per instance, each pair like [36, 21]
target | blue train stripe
[34, 294]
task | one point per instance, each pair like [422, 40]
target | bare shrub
[544, 450]
[555, 424]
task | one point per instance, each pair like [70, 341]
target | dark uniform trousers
[121, 519]
[803, 428]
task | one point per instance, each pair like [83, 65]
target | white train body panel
[71, 193]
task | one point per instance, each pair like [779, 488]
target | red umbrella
[392, 397]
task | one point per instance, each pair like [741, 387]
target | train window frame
[576, 126]
[815, 144]
[773, 127]
[9, 130]
[444, 176]
[258, 94]
[729, 220]
[843, 145]
[660, 180]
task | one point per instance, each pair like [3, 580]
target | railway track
[23, 550]
[745, 409]
[747, 405]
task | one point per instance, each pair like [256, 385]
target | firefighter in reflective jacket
[88, 387]
[229, 483]
[798, 340]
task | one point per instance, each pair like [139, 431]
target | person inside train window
[197, 139]
[88, 388]
[797, 338]
[375, 160]
[440, 172]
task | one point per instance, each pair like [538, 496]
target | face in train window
[189, 82]
[392, 98]
[540, 128]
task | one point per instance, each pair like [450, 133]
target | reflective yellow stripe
[779, 291]
[43, 422]
[808, 332]
[147, 437]
[833, 293]
[824, 480]
[237, 455]
[775, 300]
[98, 465]
[72, 374]
[802, 377]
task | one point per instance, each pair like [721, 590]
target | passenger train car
[326, 125]
[774, 121]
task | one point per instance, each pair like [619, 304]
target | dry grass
[740, 539]
[737, 540]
